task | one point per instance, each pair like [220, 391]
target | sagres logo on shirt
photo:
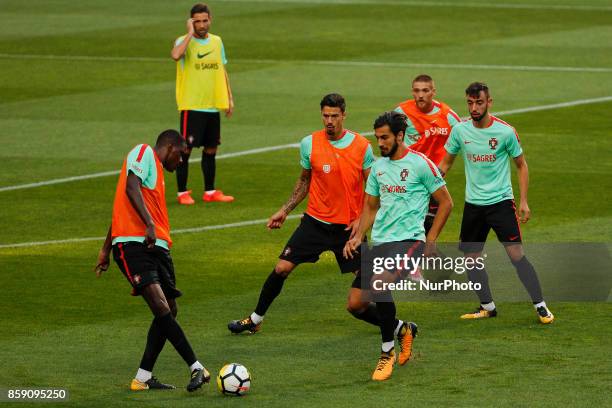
[201, 66]
[386, 188]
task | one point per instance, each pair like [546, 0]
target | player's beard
[479, 118]
[391, 151]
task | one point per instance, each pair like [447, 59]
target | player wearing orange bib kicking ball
[139, 238]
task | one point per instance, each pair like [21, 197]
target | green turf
[83, 82]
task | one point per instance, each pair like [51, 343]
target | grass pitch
[83, 83]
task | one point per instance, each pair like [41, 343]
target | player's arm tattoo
[300, 191]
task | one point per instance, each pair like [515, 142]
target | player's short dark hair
[422, 78]
[333, 100]
[171, 137]
[395, 120]
[200, 8]
[475, 88]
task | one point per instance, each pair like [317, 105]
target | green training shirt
[404, 187]
[486, 154]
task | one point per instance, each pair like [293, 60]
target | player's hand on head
[190, 27]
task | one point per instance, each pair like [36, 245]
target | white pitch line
[340, 63]
[555, 106]
[294, 145]
[408, 3]
[539, 108]
[115, 172]
[259, 150]
[94, 58]
[428, 65]
[174, 232]
[253, 151]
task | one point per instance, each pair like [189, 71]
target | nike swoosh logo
[466, 141]
[205, 54]
[380, 173]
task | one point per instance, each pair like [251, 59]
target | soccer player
[202, 90]
[487, 145]
[335, 164]
[398, 191]
[139, 237]
[429, 124]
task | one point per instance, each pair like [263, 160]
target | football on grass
[234, 379]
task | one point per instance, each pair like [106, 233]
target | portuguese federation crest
[492, 143]
[404, 174]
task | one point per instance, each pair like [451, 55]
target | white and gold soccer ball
[234, 379]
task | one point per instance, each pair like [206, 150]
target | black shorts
[313, 237]
[201, 128]
[414, 249]
[478, 220]
[143, 266]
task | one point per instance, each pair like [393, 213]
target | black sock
[208, 170]
[173, 332]
[370, 314]
[270, 290]
[155, 344]
[388, 322]
[529, 277]
[182, 171]
[480, 276]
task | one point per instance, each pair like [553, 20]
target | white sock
[255, 318]
[489, 307]
[542, 303]
[180, 193]
[143, 375]
[210, 192]
[388, 346]
[397, 329]
[195, 366]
